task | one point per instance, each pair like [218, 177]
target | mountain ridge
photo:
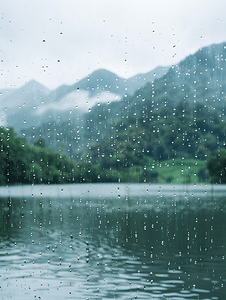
[177, 119]
[21, 106]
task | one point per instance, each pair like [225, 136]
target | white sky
[61, 41]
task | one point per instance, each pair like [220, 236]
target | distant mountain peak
[35, 85]
[101, 74]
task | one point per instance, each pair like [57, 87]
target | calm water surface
[113, 241]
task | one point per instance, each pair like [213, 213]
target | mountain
[99, 81]
[140, 80]
[19, 106]
[33, 104]
[198, 79]
[176, 117]
[193, 90]
[105, 81]
[72, 127]
[32, 93]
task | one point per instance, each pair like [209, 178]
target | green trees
[135, 149]
[22, 163]
[217, 167]
[145, 137]
[14, 157]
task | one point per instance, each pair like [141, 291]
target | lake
[113, 241]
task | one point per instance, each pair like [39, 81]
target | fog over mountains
[34, 104]
[91, 113]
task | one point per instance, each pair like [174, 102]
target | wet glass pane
[112, 150]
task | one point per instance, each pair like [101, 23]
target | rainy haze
[114, 187]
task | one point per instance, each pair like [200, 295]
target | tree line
[22, 163]
[128, 151]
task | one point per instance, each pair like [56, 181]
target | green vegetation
[176, 171]
[165, 146]
[217, 167]
[168, 145]
[168, 131]
[181, 171]
[22, 163]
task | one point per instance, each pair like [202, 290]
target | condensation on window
[112, 150]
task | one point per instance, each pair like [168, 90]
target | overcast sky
[61, 41]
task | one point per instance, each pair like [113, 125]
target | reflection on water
[112, 242]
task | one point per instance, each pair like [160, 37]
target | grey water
[113, 241]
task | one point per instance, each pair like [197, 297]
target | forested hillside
[199, 78]
[176, 119]
[22, 163]
[166, 131]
